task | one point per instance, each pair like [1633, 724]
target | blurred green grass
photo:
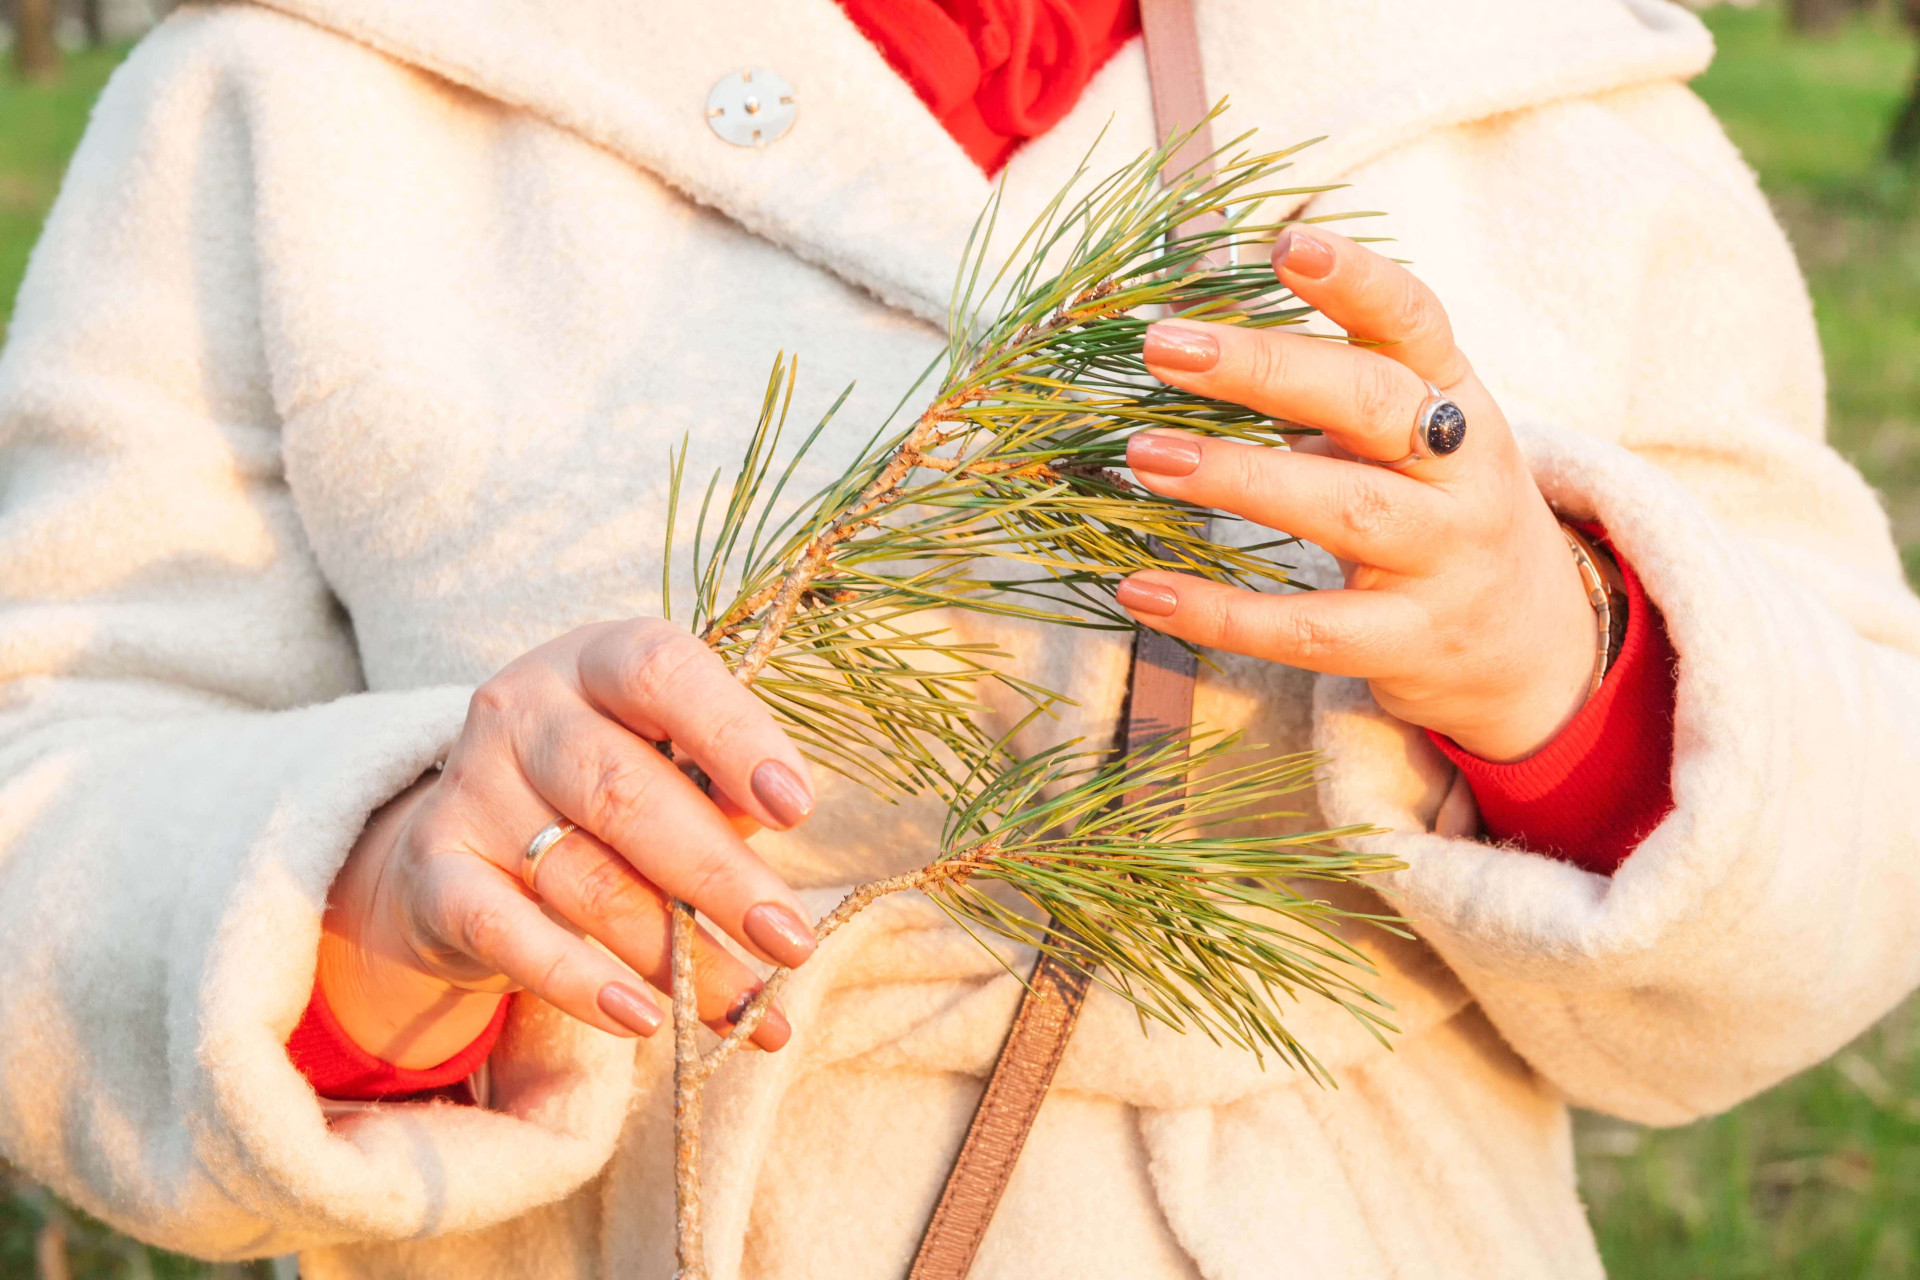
[1811, 117]
[1819, 1178]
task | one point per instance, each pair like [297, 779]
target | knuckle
[729, 727]
[608, 891]
[1265, 360]
[1241, 472]
[562, 975]
[709, 879]
[656, 665]
[1314, 638]
[493, 702]
[1379, 396]
[1417, 312]
[1364, 510]
[484, 929]
[504, 698]
[1231, 628]
[617, 791]
[1227, 630]
[619, 640]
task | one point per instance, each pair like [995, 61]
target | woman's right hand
[429, 922]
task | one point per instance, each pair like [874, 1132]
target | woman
[336, 411]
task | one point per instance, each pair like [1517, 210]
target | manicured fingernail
[774, 1029]
[776, 930]
[630, 1008]
[1163, 455]
[1147, 597]
[1303, 254]
[780, 791]
[1181, 346]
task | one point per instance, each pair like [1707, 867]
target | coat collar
[867, 183]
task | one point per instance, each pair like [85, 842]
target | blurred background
[1819, 1178]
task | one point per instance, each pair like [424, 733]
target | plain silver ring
[538, 848]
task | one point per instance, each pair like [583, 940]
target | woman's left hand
[1463, 610]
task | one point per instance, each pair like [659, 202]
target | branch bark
[692, 1069]
[688, 1079]
[781, 600]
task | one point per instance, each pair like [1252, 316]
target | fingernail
[630, 1008]
[780, 791]
[1163, 455]
[1181, 346]
[781, 934]
[1147, 597]
[1303, 254]
[774, 1029]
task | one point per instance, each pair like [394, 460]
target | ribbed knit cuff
[1593, 793]
[338, 1068]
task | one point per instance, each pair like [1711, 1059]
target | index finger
[666, 686]
[1372, 298]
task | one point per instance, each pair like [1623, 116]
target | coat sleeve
[1619, 281]
[186, 749]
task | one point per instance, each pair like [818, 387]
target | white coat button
[751, 108]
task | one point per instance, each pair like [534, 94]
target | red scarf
[997, 72]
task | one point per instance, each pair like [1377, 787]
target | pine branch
[1006, 496]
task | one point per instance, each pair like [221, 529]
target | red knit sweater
[995, 73]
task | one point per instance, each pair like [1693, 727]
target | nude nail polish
[1183, 347]
[631, 1008]
[774, 1029]
[1303, 254]
[777, 931]
[781, 792]
[1163, 455]
[1147, 597]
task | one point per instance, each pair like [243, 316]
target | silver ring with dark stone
[1440, 428]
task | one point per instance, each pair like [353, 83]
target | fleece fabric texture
[347, 370]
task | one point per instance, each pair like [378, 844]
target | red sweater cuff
[338, 1068]
[1591, 795]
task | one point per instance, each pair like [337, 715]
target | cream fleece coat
[347, 370]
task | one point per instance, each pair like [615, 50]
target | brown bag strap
[1179, 82]
[1159, 701]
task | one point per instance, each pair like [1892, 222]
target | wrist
[1529, 727]
[1562, 690]
[1518, 714]
[383, 996]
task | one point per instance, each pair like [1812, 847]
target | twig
[687, 1079]
[878, 493]
[755, 1010]
[1051, 397]
[692, 1069]
[783, 600]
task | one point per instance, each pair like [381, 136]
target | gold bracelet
[1606, 592]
